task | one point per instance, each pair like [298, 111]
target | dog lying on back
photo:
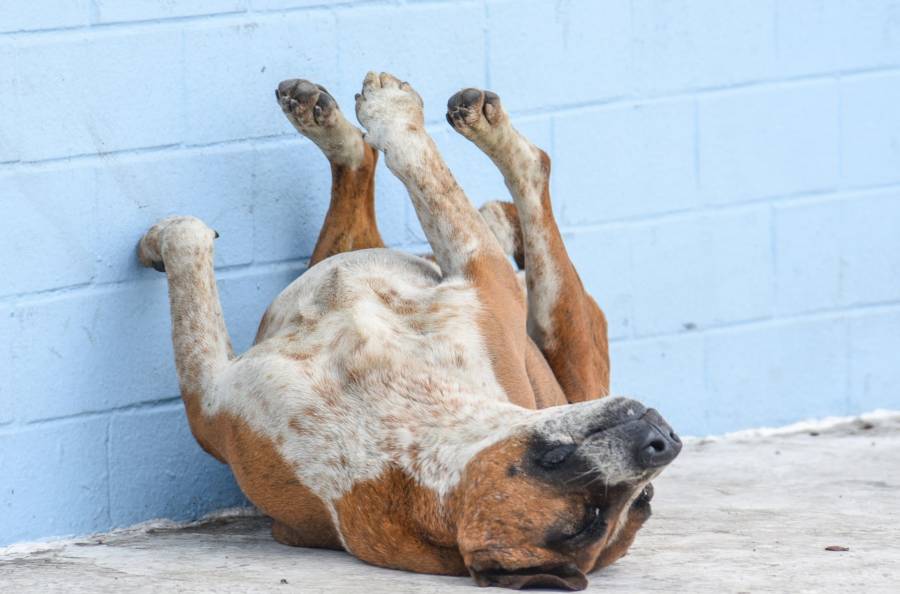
[433, 416]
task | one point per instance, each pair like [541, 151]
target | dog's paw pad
[305, 103]
[388, 108]
[474, 110]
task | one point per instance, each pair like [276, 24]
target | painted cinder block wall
[727, 174]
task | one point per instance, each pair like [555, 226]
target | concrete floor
[749, 512]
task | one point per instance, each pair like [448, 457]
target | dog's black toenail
[159, 266]
[216, 234]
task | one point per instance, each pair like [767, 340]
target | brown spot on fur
[272, 485]
[394, 522]
[296, 426]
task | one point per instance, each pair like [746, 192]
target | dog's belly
[358, 365]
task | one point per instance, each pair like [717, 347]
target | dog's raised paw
[150, 247]
[474, 112]
[388, 107]
[306, 104]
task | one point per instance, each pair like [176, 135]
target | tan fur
[393, 522]
[391, 406]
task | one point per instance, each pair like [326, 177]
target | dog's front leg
[182, 247]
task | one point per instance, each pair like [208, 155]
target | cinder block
[135, 191]
[874, 372]
[438, 48]
[112, 11]
[603, 259]
[92, 351]
[870, 129]
[768, 142]
[43, 14]
[739, 265]
[689, 44]
[703, 271]
[112, 348]
[808, 255]
[109, 91]
[838, 252]
[246, 296]
[157, 470]
[809, 34]
[777, 373]
[54, 479]
[552, 53]
[870, 33]
[625, 161]
[233, 69]
[670, 263]
[7, 326]
[47, 228]
[667, 374]
[291, 191]
[9, 103]
[871, 261]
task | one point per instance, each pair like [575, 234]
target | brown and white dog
[437, 416]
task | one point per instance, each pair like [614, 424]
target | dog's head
[563, 495]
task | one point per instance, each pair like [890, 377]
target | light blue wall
[727, 173]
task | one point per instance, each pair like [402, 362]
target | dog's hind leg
[563, 319]
[182, 247]
[463, 246]
[350, 222]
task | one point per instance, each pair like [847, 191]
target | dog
[430, 414]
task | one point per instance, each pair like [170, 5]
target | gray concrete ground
[749, 512]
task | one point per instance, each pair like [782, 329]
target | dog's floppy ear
[565, 577]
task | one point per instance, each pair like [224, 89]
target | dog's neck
[447, 441]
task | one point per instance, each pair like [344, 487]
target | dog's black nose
[659, 444]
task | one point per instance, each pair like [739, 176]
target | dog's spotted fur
[393, 406]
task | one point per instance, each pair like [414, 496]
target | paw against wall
[436, 414]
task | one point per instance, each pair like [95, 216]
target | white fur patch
[370, 360]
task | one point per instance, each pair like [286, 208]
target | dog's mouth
[561, 576]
